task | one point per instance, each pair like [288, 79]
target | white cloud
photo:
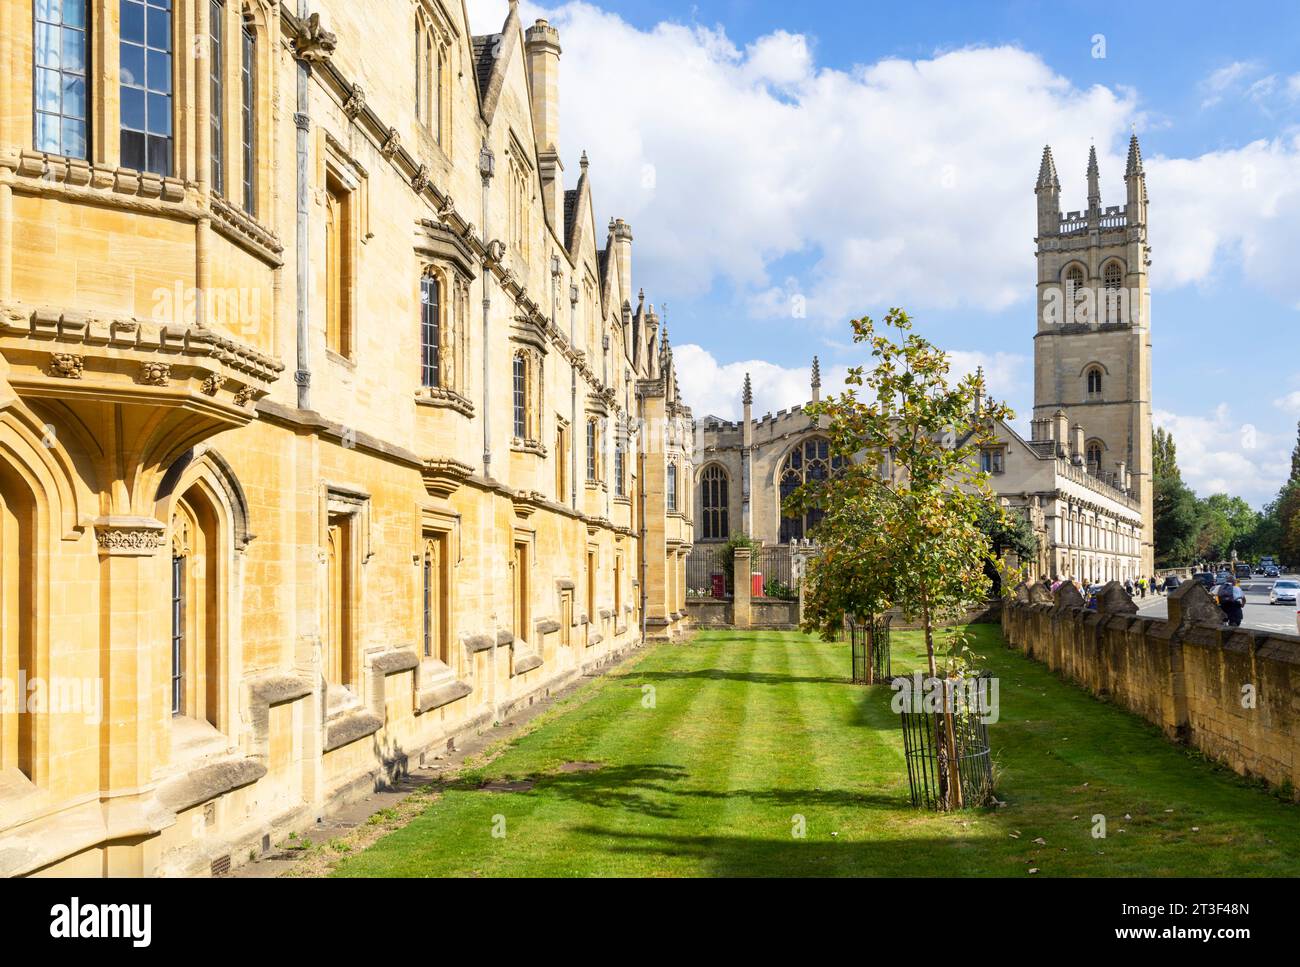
[1222, 454]
[1289, 403]
[897, 178]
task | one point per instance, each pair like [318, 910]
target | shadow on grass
[654, 790]
[750, 856]
[753, 678]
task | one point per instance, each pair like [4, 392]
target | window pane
[160, 29]
[160, 155]
[132, 109]
[74, 51]
[47, 45]
[74, 138]
[131, 69]
[47, 90]
[74, 97]
[133, 150]
[47, 133]
[132, 22]
[74, 12]
[160, 114]
[160, 72]
[48, 10]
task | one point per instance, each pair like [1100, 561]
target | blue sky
[788, 166]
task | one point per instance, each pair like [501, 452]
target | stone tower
[1092, 348]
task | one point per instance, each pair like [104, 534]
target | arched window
[714, 504]
[1094, 382]
[430, 331]
[670, 487]
[196, 613]
[434, 593]
[18, 728]
[430, 71]
[1075, 293]
[810, 460]
[61, 95]
[1094, 451]
[593, 449]
[1112, 276]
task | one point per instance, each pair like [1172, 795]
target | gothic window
[340, 664]
[593, 450]
[146, 72]
[340, 217]
[1093, 451]
[620, 459]
[561, 460]
[248, 114]
[1075, 293]
[435, 585]
[1094, 383]
[520, 395]
[216, 101]
[670, 487]
[714, 504]
[18, 614]
[61, 81]
[430, 331]
[196, 605]
[809, 461]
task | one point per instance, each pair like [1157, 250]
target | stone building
[331, 425]
[1083, 479]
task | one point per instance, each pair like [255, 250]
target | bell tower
[1092, 347]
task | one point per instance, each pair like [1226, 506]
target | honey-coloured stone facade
[338, 432]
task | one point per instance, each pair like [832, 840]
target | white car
[1284, 592]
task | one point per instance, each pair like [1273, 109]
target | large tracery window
[809, 461]
[714, 504]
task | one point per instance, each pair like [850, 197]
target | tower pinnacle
[747, 395]
[1094, 181]
[1047, 172]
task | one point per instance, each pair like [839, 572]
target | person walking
[1231, 601]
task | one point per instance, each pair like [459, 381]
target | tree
[1177, 520]
[1007, 533]
[915, 501]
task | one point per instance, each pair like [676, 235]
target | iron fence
[870, 647]
[701, 565]
[776, 563]
[926, 749]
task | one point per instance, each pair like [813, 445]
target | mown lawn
[750, 731]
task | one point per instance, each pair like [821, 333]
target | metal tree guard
[870, 647]
[923, 743]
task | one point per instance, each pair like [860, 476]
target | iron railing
[870, 647]
[925, 745]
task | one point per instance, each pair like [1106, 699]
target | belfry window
[1094, 383]
[714, 504]
[1094, 458]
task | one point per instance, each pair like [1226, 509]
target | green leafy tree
[902, 525]
[1177, 518]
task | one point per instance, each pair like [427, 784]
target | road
[1259, 615]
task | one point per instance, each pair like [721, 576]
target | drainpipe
[573, 397]
[640, 483]
[301, 121]
[486, 168]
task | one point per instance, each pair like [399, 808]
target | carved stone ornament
[313, 43]
[391, 143]
[211, 383]
[356, 102]
[420, 180]
[129, 536]
[244, 396]
[446, 209]
[155, 373]
[66, 365]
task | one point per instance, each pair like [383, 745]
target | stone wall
[1232, 694]
[768, 614]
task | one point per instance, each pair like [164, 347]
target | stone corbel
[124, 536]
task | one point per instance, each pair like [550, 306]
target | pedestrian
[1128, 586]
[1231, 601]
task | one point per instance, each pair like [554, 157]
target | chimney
[621, 234]
[1076, 445]
[1061, 432]
[542, 50]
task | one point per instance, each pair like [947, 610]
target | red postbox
[756, 585]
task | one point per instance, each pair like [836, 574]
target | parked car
[1284, 592]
